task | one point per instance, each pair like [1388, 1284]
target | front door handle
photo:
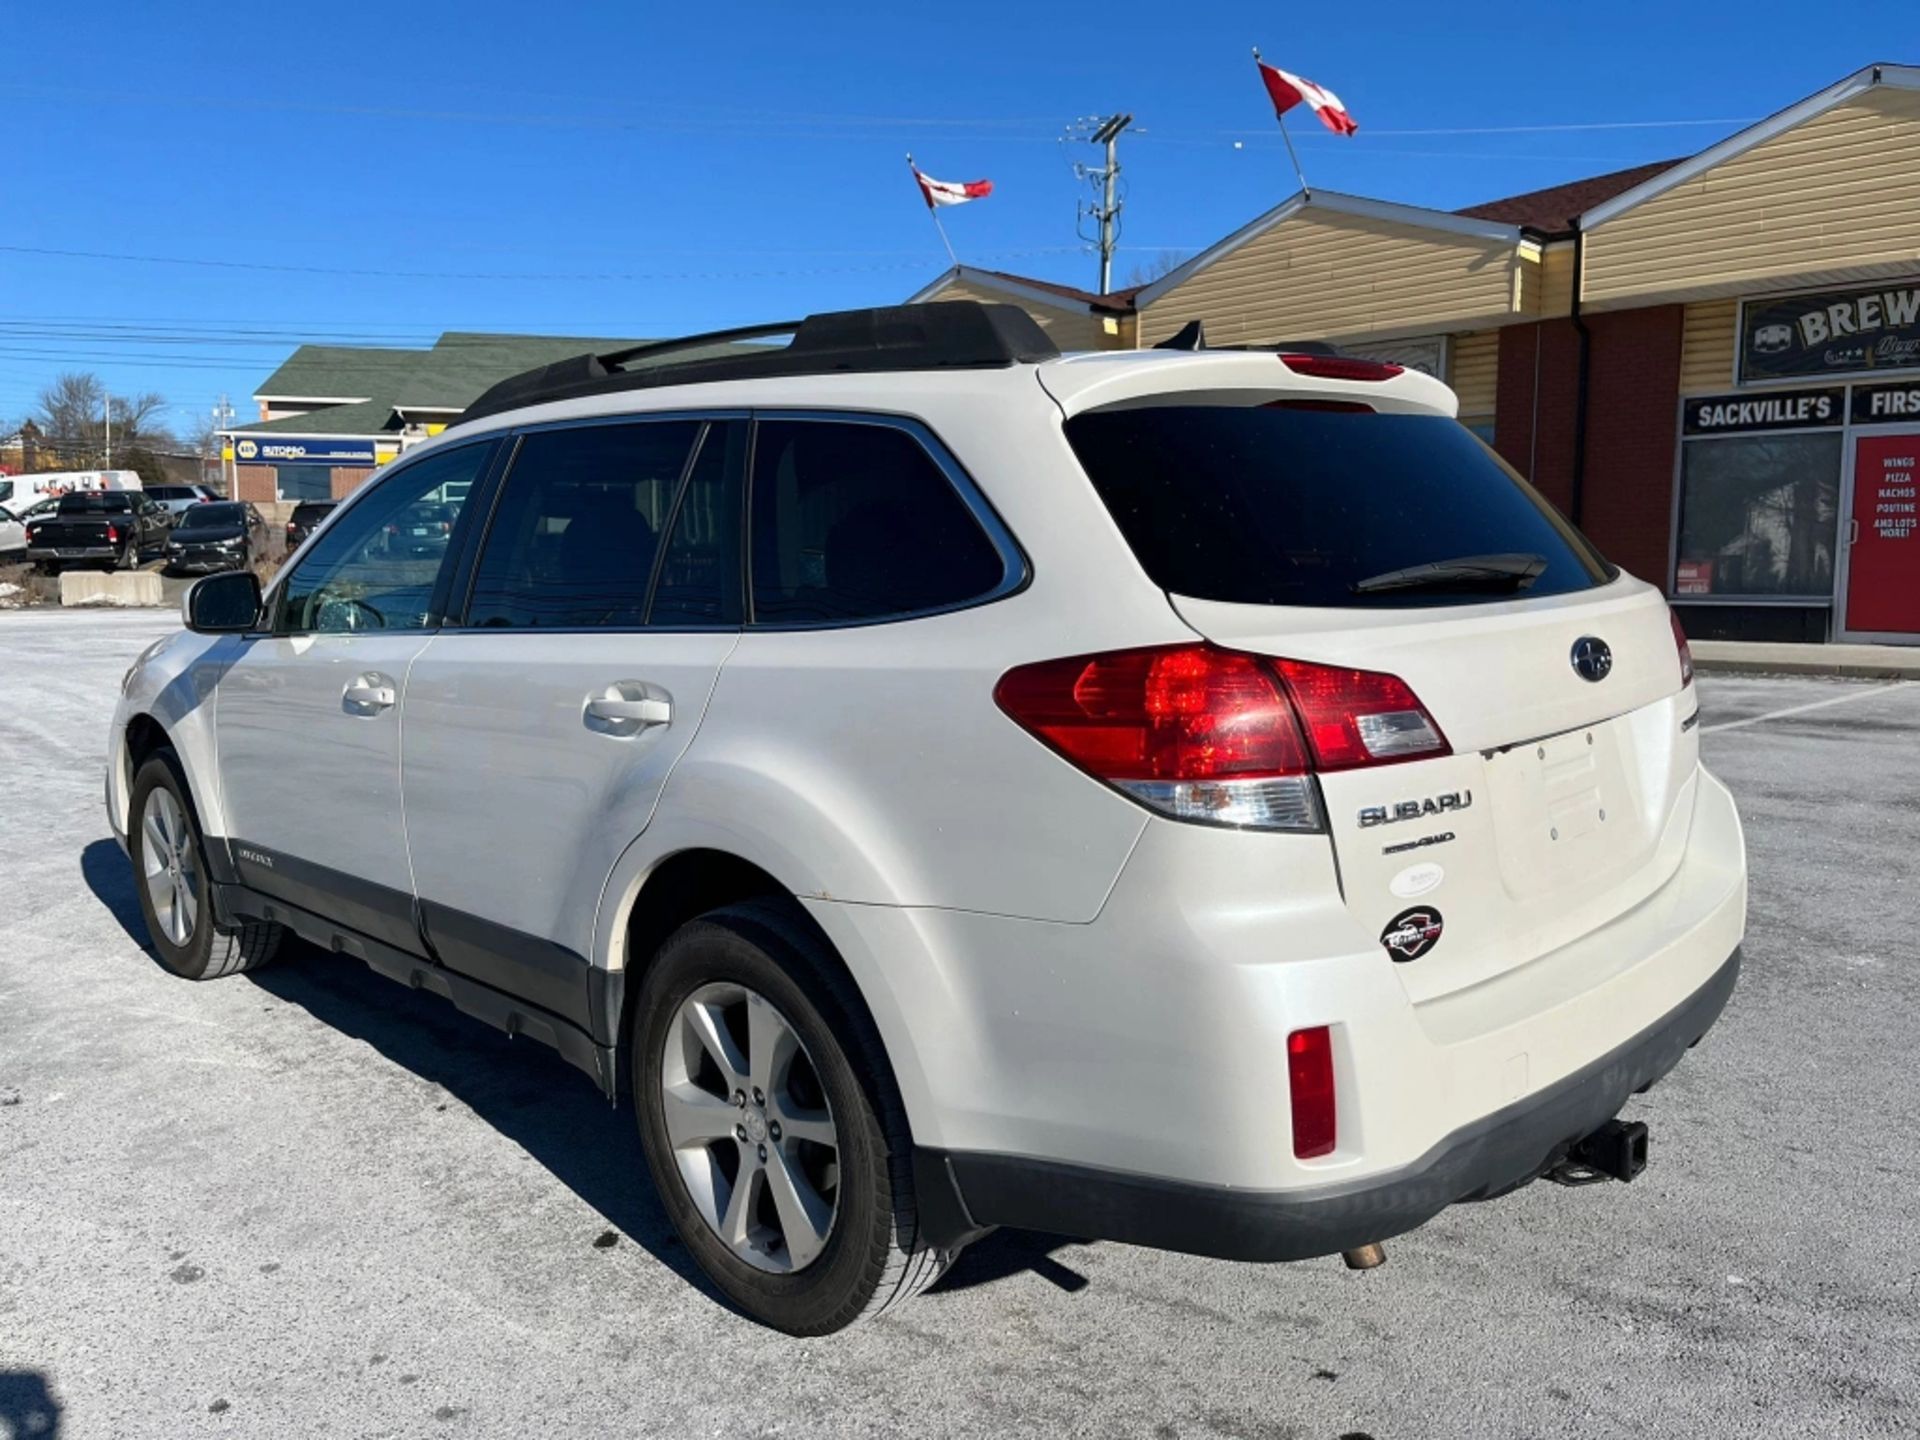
[369, 694]
[627, 707]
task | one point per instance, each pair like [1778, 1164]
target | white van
[19, 491]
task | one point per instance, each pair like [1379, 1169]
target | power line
[578, 278]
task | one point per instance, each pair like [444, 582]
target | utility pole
[1109, 135]
[108, 414]
[222, 423]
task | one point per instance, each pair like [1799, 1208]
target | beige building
[1712, 363]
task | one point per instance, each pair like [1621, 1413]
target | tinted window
[857, 522]
[699, 580]
[225, 513]
[310, 513]
[377, 568]
[96, 502]
[1268, 505]
[573, 539]
[169, 492]
[1758, 514]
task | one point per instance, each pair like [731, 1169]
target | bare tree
[1148, 271]
[73, 416]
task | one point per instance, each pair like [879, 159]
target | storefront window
[1757, 515]
[304, 482]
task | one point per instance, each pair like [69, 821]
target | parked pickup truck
[119, 527]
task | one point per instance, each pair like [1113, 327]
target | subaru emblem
[1592, 658]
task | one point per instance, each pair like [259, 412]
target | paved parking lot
[312, 1203]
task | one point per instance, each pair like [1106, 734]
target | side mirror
[223, 604]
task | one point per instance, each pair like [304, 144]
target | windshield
[206, 517]
[1280, 505]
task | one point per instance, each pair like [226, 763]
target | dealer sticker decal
[1412, 933]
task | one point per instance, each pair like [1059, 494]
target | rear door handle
[369, 694]
[627, 707]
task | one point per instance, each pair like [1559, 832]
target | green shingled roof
[367, 417]
[380, 382]
[463, 364]
[340, 372]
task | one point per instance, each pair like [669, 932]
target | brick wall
[1633, 424]
[255, 483]
[1632, 420]
[348, 478]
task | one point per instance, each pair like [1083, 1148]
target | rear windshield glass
[229, 512]
[95, 502]
[1270, 505]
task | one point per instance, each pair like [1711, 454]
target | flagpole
[933, 213]
[1298, 173]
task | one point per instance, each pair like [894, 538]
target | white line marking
[1810, 705]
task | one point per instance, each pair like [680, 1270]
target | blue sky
[647, 169]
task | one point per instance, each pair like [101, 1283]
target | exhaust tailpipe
[1365, 1257]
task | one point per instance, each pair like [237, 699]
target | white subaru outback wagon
[1197, 798]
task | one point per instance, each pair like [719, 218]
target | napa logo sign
[274, 450]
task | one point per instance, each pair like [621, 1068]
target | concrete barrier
[109, 587]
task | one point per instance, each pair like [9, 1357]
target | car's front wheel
[771, 1124]
[170, 871]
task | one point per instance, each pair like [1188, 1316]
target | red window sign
[1883, 563]
[1693, 577]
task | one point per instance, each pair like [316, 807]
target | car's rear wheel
[170, 872]
[771, 1124]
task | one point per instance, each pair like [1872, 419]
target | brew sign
[1832, 332]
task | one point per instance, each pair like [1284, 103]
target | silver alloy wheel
[752, 1134]
[166, 852]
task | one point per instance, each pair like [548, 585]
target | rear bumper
[205, 564]
[74, 552]
[963, 1190]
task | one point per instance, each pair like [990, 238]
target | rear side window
[856, 522]
[1269, 505]
[96, 502]
[578, 525]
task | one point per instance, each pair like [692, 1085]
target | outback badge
[1412, 933]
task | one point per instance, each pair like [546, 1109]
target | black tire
[873, 1259]
[204, 952]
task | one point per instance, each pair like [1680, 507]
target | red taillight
[1186, 712]
[1686, 650]
[1310, 1087]
[1206, 734]
[113, 534]
[1360, 717]
[1340, 367]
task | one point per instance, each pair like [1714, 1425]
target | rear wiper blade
[1516, 570]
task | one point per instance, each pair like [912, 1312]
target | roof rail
[947, 334]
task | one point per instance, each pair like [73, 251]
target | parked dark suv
[305, 519]
[222, 535]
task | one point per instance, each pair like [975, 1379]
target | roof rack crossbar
[948, 334]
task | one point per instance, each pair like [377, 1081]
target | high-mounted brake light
[1686, 650]
[1217, 736]
[1340, 367]
[1310, 1088]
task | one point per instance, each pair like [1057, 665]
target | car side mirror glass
[223, 604]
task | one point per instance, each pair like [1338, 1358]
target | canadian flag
[1289, 90]
[950, 192]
